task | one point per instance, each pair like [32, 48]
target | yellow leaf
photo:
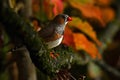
[86, 28]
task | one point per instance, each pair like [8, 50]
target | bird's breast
[52, 44]
[52, 37]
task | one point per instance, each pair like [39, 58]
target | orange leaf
[82, 1]
[89, 11]
[103, 2]
[35, 6]
[48, 7]
[86, 28]
[58, 6]
[52, 7]
[68, 37]
[82, 43]
[108, 14]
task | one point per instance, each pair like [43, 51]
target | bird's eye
[63, 17]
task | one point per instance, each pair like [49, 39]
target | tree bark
[25, 66]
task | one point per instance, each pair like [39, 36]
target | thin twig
[107, 35]
[107, 68]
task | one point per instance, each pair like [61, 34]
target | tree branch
[107, 68]
[25, 66]
[107, 36]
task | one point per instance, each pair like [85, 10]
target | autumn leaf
[68, 37]
[58, 6]
[103, 2]
[86, 28]
[82, 1]
[53, 7]
[78, 41]
[82, 43]
[89, 11]
[108, 14]
[48, 8]
[35, 6]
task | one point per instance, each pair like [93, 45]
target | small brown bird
[52, 34]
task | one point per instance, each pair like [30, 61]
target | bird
[53, 32]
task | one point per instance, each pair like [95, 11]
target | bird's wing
[47, 32]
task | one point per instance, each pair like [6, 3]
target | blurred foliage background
[93, 37]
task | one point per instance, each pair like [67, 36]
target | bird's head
[62, 19]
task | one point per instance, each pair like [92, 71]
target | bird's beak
[69, 19]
